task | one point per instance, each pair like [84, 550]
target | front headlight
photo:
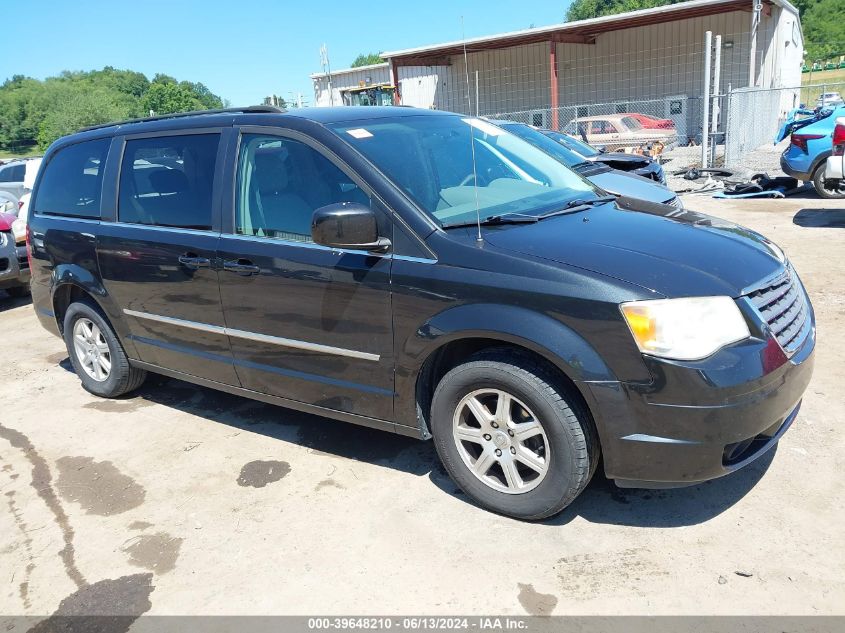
[689, 328]
[4, 237]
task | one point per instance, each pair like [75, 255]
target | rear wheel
[96, 354]
[824, 189]
[511, 436]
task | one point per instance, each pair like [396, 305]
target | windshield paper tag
[484, 126]
[359, 133]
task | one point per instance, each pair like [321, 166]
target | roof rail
[265, 109]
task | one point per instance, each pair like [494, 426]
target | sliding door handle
[192, 261]
[241, 267]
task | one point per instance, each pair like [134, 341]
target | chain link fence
[753, 116]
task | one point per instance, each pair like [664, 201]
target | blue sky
[245, 50]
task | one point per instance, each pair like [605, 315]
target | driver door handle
[192, 261]
[242, 267]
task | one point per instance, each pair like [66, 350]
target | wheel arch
[450, 337]
[72, 282]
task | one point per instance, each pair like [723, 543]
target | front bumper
[14, 266]
[701, 420]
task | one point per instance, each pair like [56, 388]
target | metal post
[705, 101]
[714, 115]
[554, 95]
[477, 109]
[756, 8]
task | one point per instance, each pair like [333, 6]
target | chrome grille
[783, 305]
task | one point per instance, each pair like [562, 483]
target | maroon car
[14, 265]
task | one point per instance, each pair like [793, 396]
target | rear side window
[167, 181]
[72, 181]
[12, 173]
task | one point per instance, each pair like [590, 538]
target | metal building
[364, 85]
[649, 61]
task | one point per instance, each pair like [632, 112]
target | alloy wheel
[501, 441]
[92, 350]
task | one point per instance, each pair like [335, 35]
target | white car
[19, 225]
[835, 168]
[829, 99]
[18, 176]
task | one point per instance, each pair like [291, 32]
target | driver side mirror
[348, 225]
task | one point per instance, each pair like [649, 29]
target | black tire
[122, 378]
[819, 185]
[18, 292]
[573, 445]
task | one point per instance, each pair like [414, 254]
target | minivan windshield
[430, 158]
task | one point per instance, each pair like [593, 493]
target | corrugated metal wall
[652, 61]
[641, 63]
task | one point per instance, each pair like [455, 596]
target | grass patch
[33, 151]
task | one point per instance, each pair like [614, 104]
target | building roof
[580, 31]
[356, 69]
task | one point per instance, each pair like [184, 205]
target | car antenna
[471, 136]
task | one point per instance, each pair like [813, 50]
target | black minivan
[425, 273]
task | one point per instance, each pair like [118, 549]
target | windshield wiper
[574, 206]
[493, 220]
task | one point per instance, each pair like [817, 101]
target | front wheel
[96, 353]
[823, 189]
[511, 436]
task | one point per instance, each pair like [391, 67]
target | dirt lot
[184, 500]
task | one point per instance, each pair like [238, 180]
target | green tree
[35, 112]
[586, 9]
[366, 59]
[824, 28]
[75, 108]
[166, 98]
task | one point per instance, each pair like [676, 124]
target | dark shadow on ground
[601, 502]
[821, 218]
[8, 302]
[321, 435]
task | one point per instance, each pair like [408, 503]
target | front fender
[549, 338]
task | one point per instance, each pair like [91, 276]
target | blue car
[810, 145]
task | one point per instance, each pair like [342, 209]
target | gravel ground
[183, 500]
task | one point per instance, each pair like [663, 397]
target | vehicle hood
[622, 183]
[674, 252]
[620, 160]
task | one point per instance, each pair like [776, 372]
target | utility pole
[327, 70]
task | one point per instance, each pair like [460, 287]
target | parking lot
[184, 500]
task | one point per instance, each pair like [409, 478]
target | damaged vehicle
[638, 164]
[835, 167]
[810, 145]
[14, 265]
[620, 183]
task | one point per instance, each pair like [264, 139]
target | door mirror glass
[348, 225]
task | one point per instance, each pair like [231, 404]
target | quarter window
[281, 182]
[167, 181]
[73, 180]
